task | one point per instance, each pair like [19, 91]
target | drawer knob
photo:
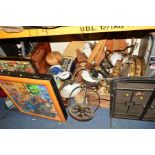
[151, 107]
[126, 94]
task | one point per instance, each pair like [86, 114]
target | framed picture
[17, 64]
[34, 94]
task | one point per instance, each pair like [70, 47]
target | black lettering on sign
[117, 27]
[111, 27]
[104, 27]
[92, 28]
[87, 28]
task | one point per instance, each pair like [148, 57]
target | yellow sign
[64, 30]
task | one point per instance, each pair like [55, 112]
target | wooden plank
[101, 55]
[70, 51]
[95, 51]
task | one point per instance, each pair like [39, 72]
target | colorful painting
[17, 65]
[34, 94]
[31, 98]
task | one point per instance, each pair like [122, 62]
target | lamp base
[80, 113]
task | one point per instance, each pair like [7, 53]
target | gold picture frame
[34, 94]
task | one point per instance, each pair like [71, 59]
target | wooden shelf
[36, 32]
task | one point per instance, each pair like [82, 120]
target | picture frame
[34, 94]
[17, 65]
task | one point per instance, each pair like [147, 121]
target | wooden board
[70, 51]
[95, 51]
[101, 54]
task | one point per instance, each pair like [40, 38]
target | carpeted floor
[15, 120]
